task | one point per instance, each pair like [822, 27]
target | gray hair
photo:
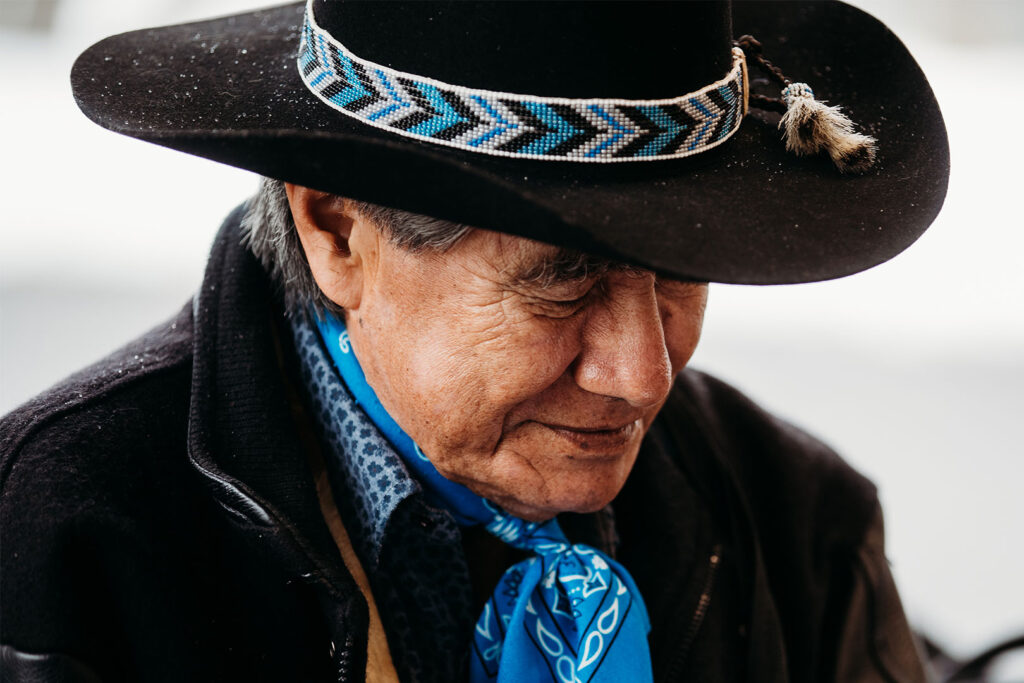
[268, 230]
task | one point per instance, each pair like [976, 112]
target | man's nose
[624, 354]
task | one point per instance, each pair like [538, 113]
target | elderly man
[427, 418]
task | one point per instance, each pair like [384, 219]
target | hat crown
[630, 50]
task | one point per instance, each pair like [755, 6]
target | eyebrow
[564, 265]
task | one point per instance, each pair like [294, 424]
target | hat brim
[746, 212]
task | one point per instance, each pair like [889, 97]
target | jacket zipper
[698, 616]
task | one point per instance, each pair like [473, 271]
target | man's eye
[566, 307]
[571, 303]
[562, 300]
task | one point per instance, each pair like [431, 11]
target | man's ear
[325, 223]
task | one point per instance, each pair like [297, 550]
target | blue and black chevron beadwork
[510, 125]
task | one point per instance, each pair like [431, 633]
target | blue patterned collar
[360, 460]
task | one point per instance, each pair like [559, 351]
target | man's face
[520, 376]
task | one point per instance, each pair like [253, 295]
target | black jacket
[159, 522]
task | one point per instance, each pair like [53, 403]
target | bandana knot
[565, 609]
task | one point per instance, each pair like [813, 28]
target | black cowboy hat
[742, 211]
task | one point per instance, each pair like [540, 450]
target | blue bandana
[569, 614]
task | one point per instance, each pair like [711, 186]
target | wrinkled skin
[536, 397]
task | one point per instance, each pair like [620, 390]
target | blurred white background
[913, 370]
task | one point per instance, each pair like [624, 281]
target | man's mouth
[596, 439]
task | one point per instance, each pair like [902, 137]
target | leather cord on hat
[752, 48]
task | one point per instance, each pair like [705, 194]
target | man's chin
[543, 510]
[539, 491]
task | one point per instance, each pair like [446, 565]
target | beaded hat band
[599, 130]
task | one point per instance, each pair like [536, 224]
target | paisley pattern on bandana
[571, 604]
[570, 614]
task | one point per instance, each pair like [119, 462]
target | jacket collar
[243, 438]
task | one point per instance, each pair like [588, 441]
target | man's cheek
[461, 427]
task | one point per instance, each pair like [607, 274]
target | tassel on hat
[809, 126]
